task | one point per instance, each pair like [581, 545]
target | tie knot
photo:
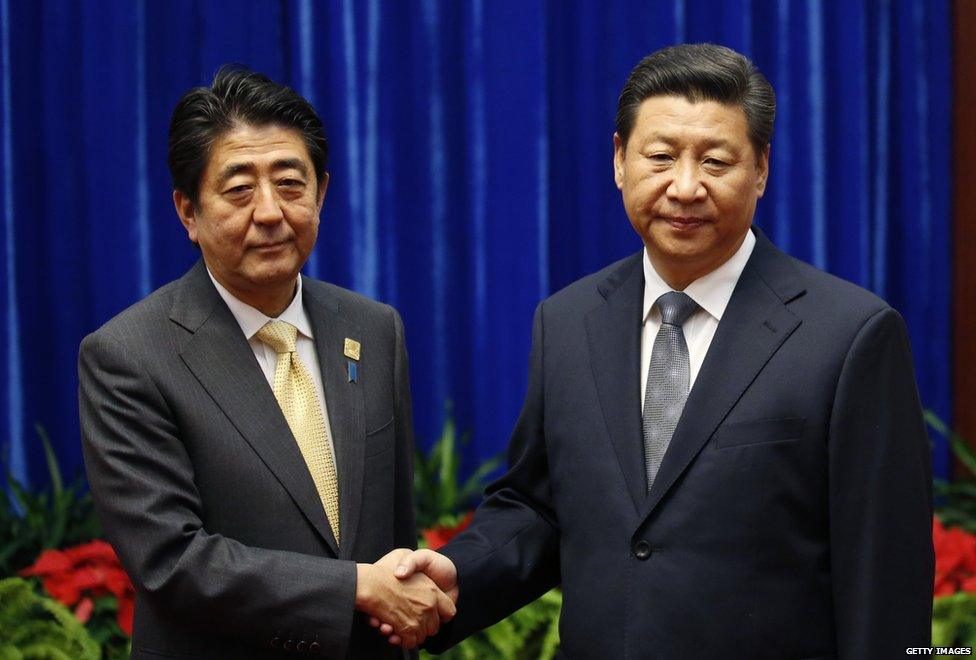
[676, 307]
[280, 336]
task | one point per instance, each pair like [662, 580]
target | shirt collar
[251, 320]
[712, 292]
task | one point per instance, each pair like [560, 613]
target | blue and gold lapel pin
[351, 350]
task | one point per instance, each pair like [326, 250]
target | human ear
[187, 212]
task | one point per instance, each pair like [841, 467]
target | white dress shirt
[251, 320]
[712, 293]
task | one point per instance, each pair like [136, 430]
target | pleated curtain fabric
[469, 152]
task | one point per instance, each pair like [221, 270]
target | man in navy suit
[721, 451]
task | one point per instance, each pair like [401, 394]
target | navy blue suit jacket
[791, 517]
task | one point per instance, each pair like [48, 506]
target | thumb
[416, 561]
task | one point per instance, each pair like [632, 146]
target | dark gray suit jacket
[204, 493]
[791, 517]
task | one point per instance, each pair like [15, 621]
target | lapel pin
[351, 349]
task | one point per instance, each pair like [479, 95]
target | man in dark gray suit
[721, 452]
[247, 431]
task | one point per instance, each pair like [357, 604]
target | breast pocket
[380, 439]
[763, 431]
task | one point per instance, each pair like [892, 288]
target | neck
[678, 274]
[271, 306]
[269, 300]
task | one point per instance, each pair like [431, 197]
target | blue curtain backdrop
[471, 169]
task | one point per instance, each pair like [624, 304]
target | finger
[395, 640]
[432, 624]
[409, 640]
[446, 609]
[393, 557]
[387, 630]
[374, 622]
[417, 560]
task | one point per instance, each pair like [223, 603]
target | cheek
[229, 235]
[309, 234]
[643, 194]
[737, 209]
[306, 222]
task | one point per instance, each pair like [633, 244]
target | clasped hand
[404, 602]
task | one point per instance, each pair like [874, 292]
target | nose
[686, 185]
[267, 207]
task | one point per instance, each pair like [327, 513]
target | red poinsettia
[955, 559]
[439, 535]
[75, 575]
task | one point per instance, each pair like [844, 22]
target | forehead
[257, 146]
[677, 118]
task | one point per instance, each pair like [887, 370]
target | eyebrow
[711, 143]
[280, 164]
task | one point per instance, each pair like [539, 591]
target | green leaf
[448, 466]
[52, 460]
[38, 627]
[474, 485]
[438, 491]
[959, 447]
[55, 516]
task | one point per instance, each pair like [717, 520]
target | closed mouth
[683, 222]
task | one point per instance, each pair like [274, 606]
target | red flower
[438, 536]
[127, 607]
[955, 559]
[75, 575]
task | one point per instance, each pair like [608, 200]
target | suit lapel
[754, 326]
[345, 402]
[221, 359]
[613, 331]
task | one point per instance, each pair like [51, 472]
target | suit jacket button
[314, 647]
[289, 645]
[300, 647]
[642, 550]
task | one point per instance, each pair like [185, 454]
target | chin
[680, 245]
[274, 273]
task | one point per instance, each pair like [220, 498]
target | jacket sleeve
[509, 555]
[880, 498]
[405, 523]
[142, 480]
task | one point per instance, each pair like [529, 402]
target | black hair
[236, 96]
[701, 72]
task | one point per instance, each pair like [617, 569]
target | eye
[291, 183]
[716, 165]
[238, 190]
[661, 158]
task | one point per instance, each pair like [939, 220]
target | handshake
[407, 594]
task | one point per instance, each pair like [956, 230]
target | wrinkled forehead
[677, 115]
[248, 147]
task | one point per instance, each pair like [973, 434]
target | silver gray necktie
[668, 380]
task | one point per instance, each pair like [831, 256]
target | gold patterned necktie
[295, 391]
